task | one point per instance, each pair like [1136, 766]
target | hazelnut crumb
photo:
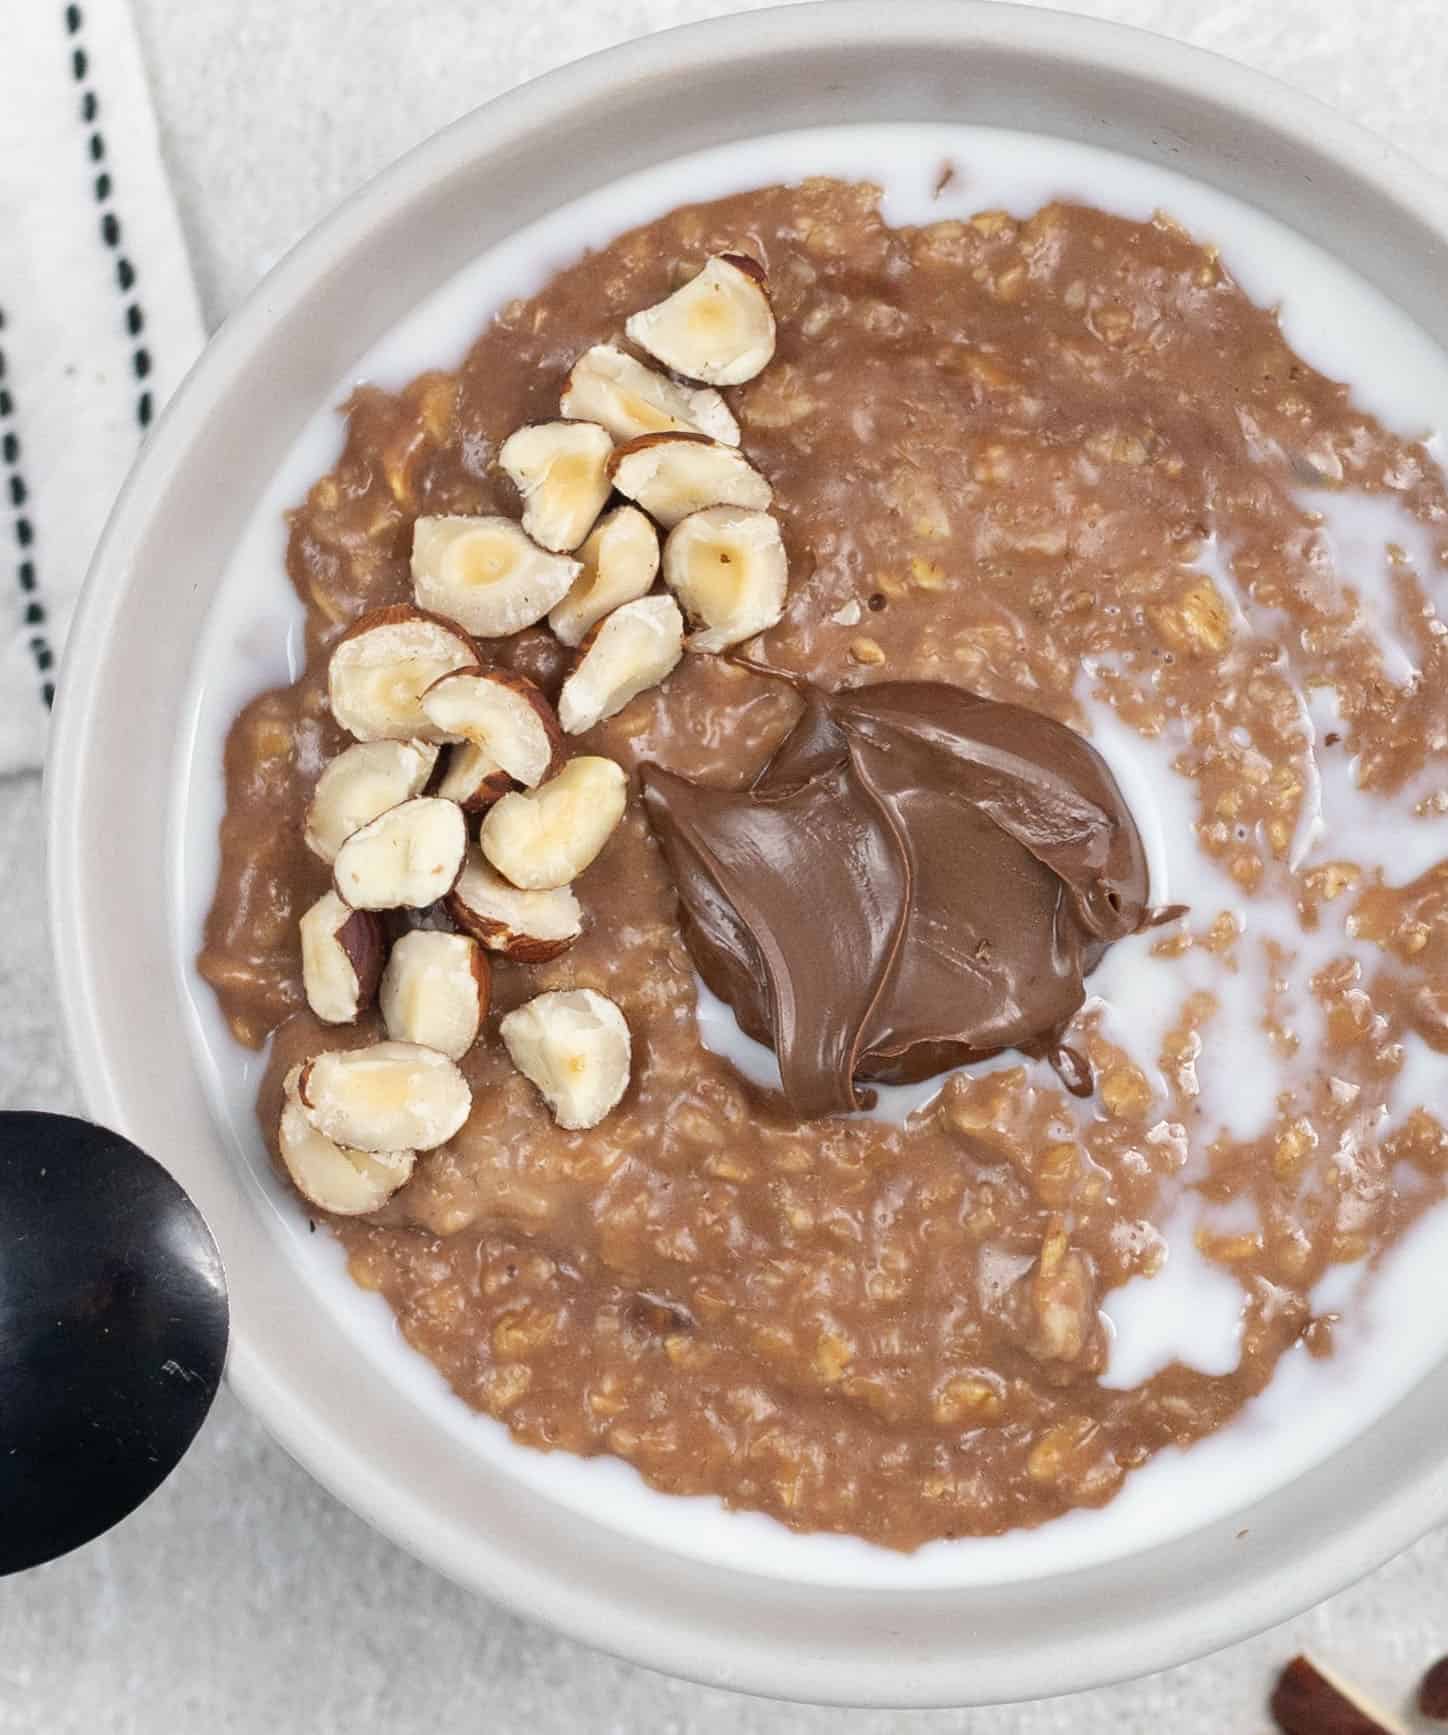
[866, 650]
[1433, 1692]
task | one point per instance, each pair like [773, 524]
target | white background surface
[243, 1599]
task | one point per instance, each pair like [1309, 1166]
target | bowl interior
[251, 641]
[589, 1549]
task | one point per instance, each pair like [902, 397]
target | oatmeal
[1061, 463]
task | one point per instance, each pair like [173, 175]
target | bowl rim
[823, 1656]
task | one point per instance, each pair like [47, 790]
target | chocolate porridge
[1062, 464]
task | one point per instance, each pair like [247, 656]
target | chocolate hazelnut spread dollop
[918, 878]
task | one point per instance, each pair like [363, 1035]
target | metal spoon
[113, 1328]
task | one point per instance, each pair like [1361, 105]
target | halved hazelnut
[728, 568]
[504, 714]
[634, 648]
[609, 387]
[528, 926]
[381, 665]
[341, 959]
[561, 470]
[620, 563]
[574, 1046]
[1310, 1700]
[672, 475]
[486, 574]
[435, 991]
[335, 1178]
[405, 859]
[472, 778]
[718, 328]
[391, 1096]
[545, 837]
[361, 782]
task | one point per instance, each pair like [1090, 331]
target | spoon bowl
[113, 1331]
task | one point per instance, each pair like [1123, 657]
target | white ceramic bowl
[129, 661]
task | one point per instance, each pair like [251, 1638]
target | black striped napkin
[98, 321]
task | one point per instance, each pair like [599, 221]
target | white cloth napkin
[98, 320]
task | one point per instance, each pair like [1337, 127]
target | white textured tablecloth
[243, 1599]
